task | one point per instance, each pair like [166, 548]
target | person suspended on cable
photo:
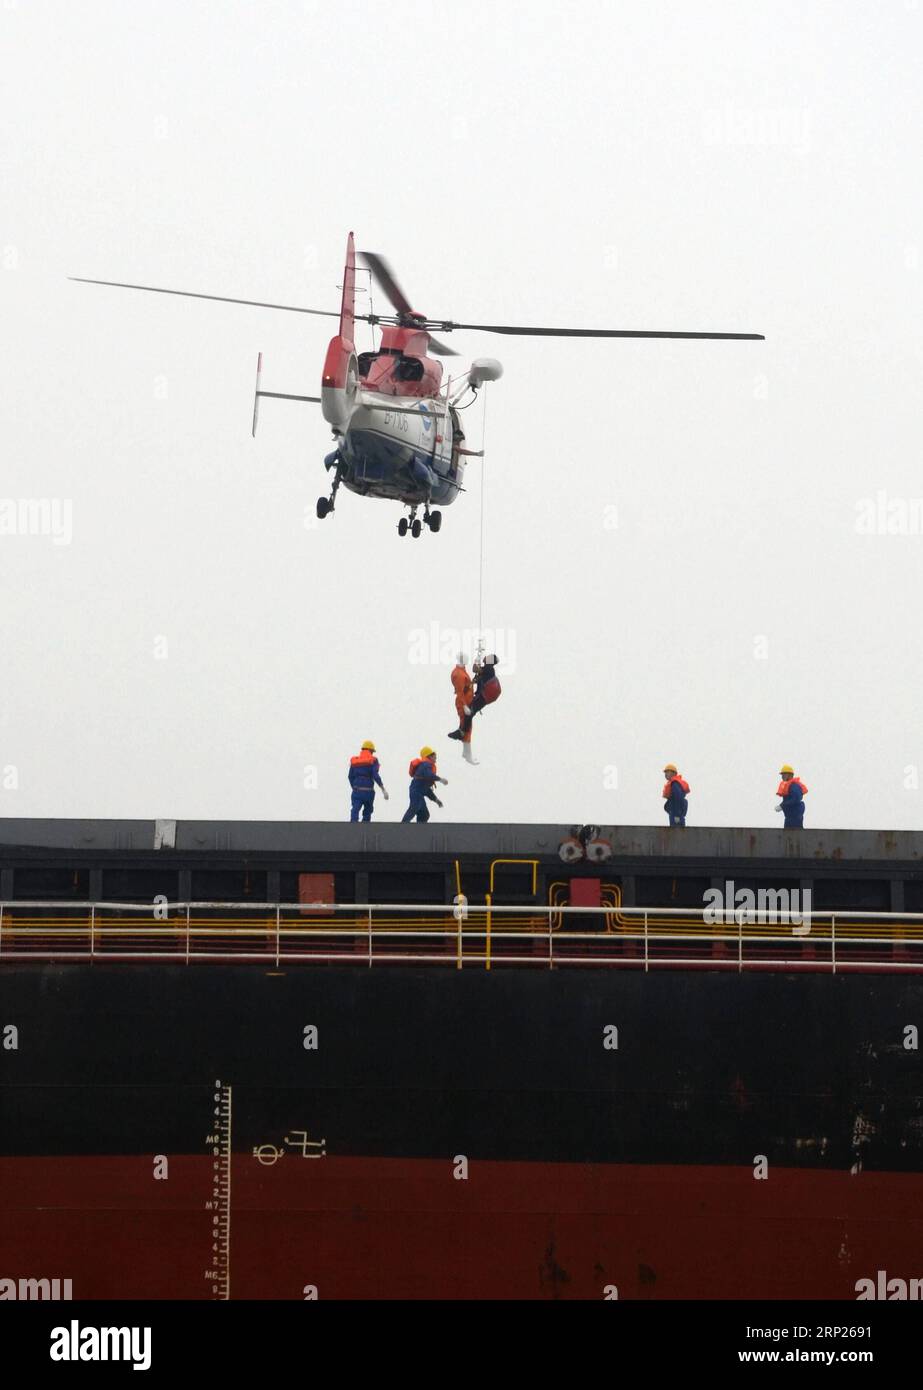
[792, 791]
[675, 792]
[487, 687]
[364, 777]
[423, 778]
[464, 694]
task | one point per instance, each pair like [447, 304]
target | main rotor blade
[447, 327]
[387, 281]
[441, 349]
[220, 298]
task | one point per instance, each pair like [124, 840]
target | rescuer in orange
[792, 791]
[675, 791]
[464, 694]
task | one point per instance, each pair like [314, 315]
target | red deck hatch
[586, 892]
[314, 889]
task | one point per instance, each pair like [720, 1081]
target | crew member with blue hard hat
[423, 777]
[364, 777]
[792, 791]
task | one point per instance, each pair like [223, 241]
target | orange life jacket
[415, 763]
[792, 782]
[364, 757]
[684, 786]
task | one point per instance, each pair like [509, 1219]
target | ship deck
[492, 895]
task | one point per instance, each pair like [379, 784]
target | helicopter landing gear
[414, 524]
[411, 523]
[325, 505]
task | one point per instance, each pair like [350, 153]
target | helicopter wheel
[416, 528]
[324, 505]
[402, 526]
[434, 521]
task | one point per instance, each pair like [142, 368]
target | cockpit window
[409, 369]
[365, 360]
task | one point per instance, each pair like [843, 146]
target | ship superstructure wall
[269, 861]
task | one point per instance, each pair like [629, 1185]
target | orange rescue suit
[464, 694]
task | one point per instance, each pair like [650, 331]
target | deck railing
[463, 936]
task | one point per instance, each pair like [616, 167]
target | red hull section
[394, 1228]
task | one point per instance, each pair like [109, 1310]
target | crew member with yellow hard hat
[364, 777]
[792, 791]
[675, 791]
[423, 777]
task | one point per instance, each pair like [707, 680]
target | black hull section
[808, 1070]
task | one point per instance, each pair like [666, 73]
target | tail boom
[340, 380]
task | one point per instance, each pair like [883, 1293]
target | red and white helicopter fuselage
[396, 425]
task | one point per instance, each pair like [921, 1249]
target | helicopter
[396, 426]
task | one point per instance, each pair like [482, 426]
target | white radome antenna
[484, 369]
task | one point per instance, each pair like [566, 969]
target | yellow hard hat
[669, 767]
[785, 768]
[427, 752]
[368, 745]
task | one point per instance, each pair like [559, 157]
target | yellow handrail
[534, 862]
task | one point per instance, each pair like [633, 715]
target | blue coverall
[675, 803]
[793, 805]
[364, 776]
[421, 790]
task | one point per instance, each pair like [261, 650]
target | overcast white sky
[678, 560]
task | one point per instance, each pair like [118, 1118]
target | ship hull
[431, 1132]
